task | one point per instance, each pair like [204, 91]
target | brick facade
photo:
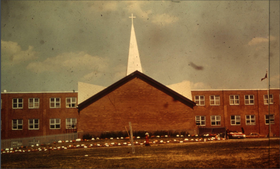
[44, 113]
[145, 106]
[258, 109]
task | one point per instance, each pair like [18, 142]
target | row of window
[34, 103]
[234, 120]
[233, 100]
[33, 124]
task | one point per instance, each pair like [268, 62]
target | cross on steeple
[133, 63]
[132, 17]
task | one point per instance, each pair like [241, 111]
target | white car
[235, 134]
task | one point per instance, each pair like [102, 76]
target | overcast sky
[51, 45]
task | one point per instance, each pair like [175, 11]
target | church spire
[133, 54]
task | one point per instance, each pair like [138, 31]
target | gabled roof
[143, 77]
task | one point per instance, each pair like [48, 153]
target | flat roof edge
[41, 92]
[231, 89]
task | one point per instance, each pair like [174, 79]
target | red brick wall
[43, 113]
[145, 106]
[226, 110]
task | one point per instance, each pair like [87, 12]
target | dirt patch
[249, 154]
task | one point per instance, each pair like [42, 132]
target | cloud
[200, 85]
[164, 19]
[81, 61]
[12, 53]
[136, 8]
[259, 40]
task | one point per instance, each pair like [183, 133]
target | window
[249, 99]
[234, 100]
[17, 103]
[54, 123]
[215, 100]
[17, 124]
[215, 120]
[33, 124]
[71, 123]
[33, 103]
[199, 100]
[71, 102]
[200, 120]
[269, 118]
[235, 120]
[54, 102]
[265, 99]
[250, 120]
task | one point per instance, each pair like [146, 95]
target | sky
[53, 45]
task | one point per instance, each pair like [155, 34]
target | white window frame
[32, 124]
[71, 102]
[200, 120]
[16, 104]
[199, 100]
[55, 123]
[216, 119]
[234, 100]
[70, 122]
[33, 103]
[16, 123]
[235, 120]
[250, 119]
[56, 101]
[265, 99]
[266, 119]
[214, 100]
[249, 99]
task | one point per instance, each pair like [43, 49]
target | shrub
[139, 133]
[87, 136]
[160, 133]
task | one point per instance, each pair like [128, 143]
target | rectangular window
[200, 120]
[215, 100]
[17, 103]
[17, 124]
[71, 102]
[199, 100]
[269, 118]
[71, 123]
[54, 123]
[215, 120]
[33, 124]
[250, 119]
[249, 100]
[33, 103]
[54, 102]
[234, 100]
[265, 99]
[235, 120]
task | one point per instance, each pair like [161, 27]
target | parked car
[255, 135]
[236, 134]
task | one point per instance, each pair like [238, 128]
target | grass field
[215, 154]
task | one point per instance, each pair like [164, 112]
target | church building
[141, 100]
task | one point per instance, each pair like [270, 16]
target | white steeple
[133, 63]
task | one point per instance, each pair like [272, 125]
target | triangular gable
[143, 77]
